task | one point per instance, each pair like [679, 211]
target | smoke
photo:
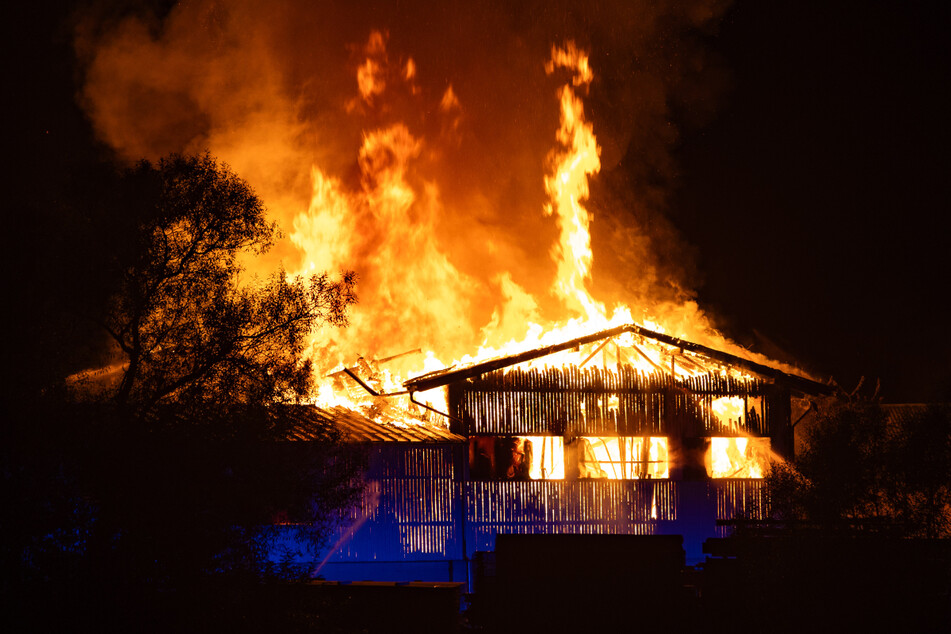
[408, 141]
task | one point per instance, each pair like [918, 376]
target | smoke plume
[411, 142]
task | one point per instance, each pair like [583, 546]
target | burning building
[592, 447]
[455, 186]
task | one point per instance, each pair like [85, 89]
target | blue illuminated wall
[423, 518]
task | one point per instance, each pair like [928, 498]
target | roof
[445, 377]
[312, 423]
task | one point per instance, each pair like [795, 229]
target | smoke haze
[411, 143]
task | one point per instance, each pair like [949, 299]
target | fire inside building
[576, 449]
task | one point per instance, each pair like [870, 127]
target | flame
[738, 457]
[567, 186]
[411, 290]
[371, 180]
[547, 456]
[624, 458]
[730, 411]
[370, 79]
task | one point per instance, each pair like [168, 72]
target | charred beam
[799, 383]
[445, 377]
[596, 351]
[649, 360]
[375, 361]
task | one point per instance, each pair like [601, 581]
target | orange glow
[449, 100]
[355, 149]
[546, 454]
[738, 457]
[623, 458]
[427, 293]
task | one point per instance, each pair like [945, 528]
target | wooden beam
[799, 383]
[596, 351]
[445, 377]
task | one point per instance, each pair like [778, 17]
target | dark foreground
[559, 583]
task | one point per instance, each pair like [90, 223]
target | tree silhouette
[867, 467]
[171, 474]
[919, 464]
[192, 334]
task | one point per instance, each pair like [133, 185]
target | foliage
[920, 464]
[209, 361]
[194, 335]
[868, 467]
[162, 480]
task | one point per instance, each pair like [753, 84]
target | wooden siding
[417, 508]
[410, 508]
[559, 507]
[594, 401]
[421, 506]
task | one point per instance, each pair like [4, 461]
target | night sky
[818, 197]
[814, 198]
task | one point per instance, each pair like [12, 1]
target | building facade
[559, 451]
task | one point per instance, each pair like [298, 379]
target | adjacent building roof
[312, 423]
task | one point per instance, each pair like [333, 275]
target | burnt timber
[445, 377]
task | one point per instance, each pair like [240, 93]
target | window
[737, 457]
[585, 457]
[621, 457]
[516, 458]
[738, 412]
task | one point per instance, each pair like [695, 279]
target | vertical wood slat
[408, 507]
[414, 513]
[539, 402]
[613, 507]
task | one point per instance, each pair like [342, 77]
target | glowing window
[622, 457]
[737, 412]
[738, 457]
[517, 458]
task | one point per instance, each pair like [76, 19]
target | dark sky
[815, 198]
[818, 197]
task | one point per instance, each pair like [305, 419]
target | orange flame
[412, 293]
[568, 185]
[364, 181]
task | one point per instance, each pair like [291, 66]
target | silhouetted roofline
[442, 378]
[312, 423]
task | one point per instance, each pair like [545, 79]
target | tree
[868, 467]
[209, 361]
[919, 461]
[173, 473]
[191, 333]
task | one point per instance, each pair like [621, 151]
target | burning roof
[444, 377]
